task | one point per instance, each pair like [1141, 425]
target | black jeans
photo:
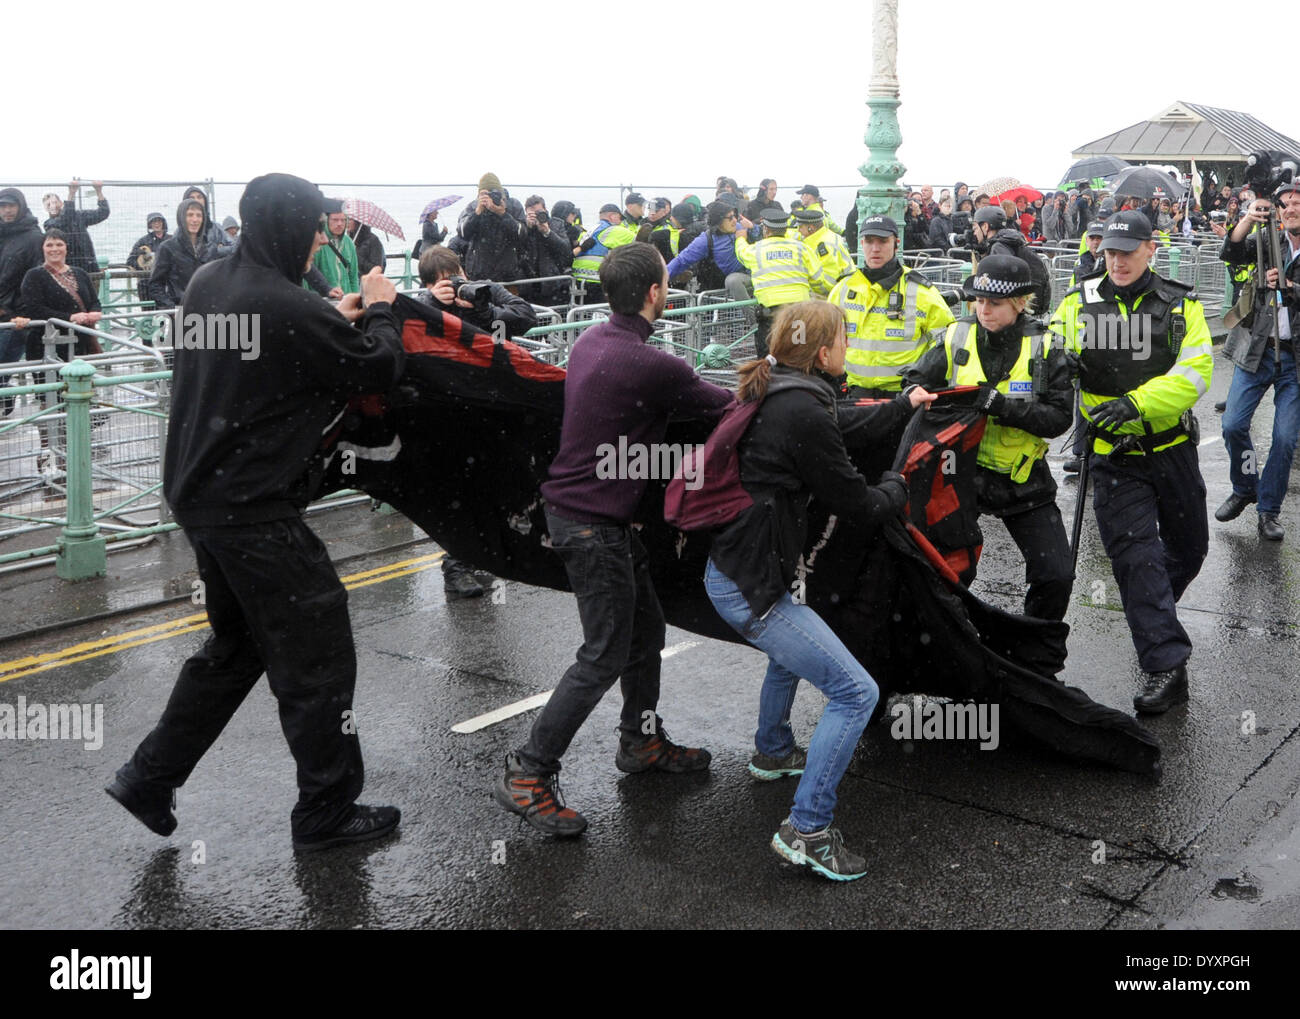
[276, 606]
[622, 635]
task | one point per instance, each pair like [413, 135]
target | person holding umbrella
[430, 232]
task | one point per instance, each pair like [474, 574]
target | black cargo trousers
[277, 606]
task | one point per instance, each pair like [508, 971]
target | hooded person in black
[222, 242]
[263, 369]
[177, 258]
[20, 250]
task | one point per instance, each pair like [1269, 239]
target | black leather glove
[894, 486]
[1110, 415]
[990, 401]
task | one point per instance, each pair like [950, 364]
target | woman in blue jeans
[793, 451]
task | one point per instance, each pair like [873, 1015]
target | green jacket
[332, 269]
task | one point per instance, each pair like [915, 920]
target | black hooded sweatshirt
[244, 444]
[177, 258]
[20, 249]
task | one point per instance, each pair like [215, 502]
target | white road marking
[501, 714]
[1212, 438]
[538, 700]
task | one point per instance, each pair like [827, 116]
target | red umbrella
[372, 215]
[1027, 193]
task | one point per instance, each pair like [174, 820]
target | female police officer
[1024, 388]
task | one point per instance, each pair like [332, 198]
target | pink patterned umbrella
[996, 186]
[372, 215]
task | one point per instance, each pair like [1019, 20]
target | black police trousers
[1039, 533]
[276, 606]
[1151, 518]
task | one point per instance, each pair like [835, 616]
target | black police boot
[1269, 528]
[458, 581]
[1221, 406]
[1072, 465]
[1232, 507]
[1162, 691]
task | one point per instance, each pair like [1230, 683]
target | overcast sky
[565, 93]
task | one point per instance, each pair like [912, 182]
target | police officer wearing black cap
[634, 211]
[812, 200]
[1025, 389]
[656, 219]
[889, 313]
[1145, 359]
[783, 270]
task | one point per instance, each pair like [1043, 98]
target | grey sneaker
[769, 769]
[823, 851]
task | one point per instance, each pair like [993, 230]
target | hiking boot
[1072, 465]
[769, 769]
[1232, 507]
[1162, 691]
[154, 812]
[537, 799]
[1269, 528]
[361, 825]
[823, 851]
[458, 581]
[657, 751]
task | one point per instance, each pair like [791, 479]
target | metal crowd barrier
[81, 446]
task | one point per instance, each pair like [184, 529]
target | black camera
[960, 222]
[496, 197]
[1269, 169]
[479, 294]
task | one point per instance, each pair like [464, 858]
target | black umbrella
[1093, 167]
[1147, 182]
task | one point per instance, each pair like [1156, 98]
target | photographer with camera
[1263, 350]
[491, 307]
[548, 253]
[493, 234]
[1056, 220]
[482, 303]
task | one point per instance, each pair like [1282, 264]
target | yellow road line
[86, 650]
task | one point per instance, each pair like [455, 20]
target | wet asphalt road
[956, 836]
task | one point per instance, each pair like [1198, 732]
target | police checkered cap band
[995, 286]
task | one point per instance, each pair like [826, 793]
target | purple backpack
[718, 497]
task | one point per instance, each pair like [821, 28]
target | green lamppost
[882, 195]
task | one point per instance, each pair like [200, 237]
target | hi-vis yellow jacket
[783, 269]
[888, 326]
[1155, 350]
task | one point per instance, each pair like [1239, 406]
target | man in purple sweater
[618, 397]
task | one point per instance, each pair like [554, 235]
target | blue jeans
[1244, 394]
[799, 643]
